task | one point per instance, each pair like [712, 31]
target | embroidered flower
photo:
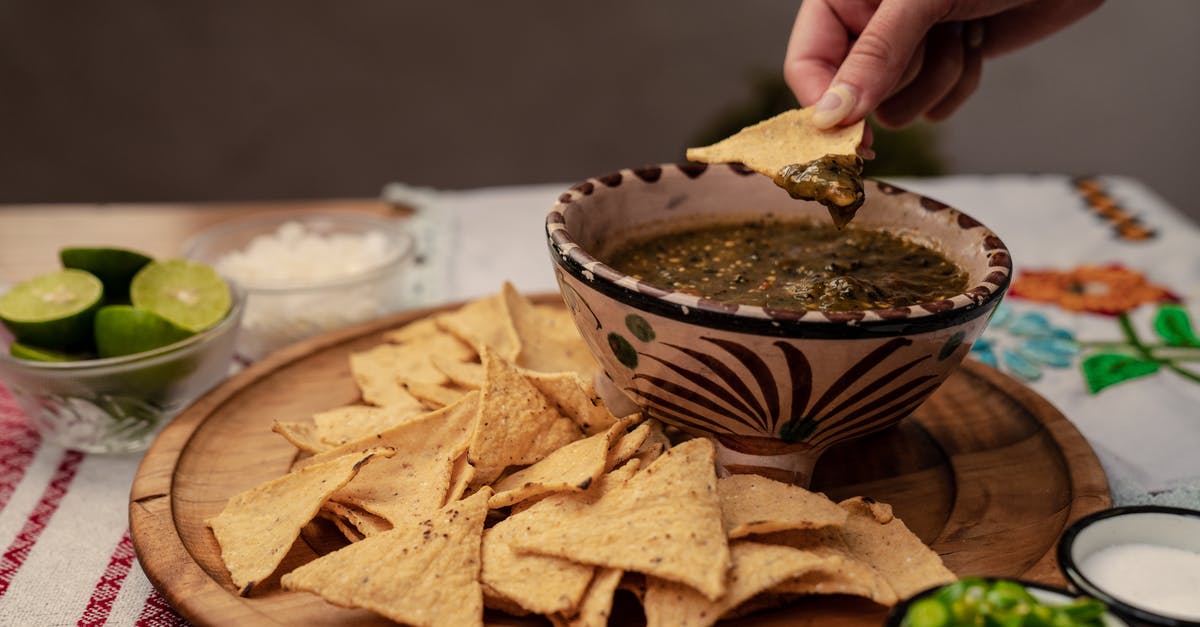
[1024, 344]
[1112, 289]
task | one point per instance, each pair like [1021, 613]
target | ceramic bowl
[1147, 524]
[279, 313]
[772, 387]
[1046, 594]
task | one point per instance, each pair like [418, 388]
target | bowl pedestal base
[794, 467]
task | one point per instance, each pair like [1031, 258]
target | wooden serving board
[986, 471]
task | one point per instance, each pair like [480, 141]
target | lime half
[53, 310]
[189, 294]
[114, 267]
[125, 330]
[37, 353]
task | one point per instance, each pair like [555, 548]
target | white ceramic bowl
[1147, 524]
[281, 313]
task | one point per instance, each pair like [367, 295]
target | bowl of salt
[1141, 561]
[307, 273]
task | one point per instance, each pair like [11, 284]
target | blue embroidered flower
[1025, 343]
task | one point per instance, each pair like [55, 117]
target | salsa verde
[792, 265]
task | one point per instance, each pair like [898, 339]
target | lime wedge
[53, 310]
[114, 267]
[37, 353]
[125, 330]
[189, 294]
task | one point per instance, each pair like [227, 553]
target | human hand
[902, 59]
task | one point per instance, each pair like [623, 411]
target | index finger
[817, 46]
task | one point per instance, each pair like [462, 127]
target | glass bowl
[279, 313]
[118, 404]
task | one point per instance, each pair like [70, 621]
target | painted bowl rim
[570, 256]
[1066, 562]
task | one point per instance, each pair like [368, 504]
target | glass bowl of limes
[101, 354]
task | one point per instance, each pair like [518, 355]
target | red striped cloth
[65, 553]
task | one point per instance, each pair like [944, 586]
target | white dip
[1163, 580]
[294, 256]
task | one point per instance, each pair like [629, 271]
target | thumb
[876, 61]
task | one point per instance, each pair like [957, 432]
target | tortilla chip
[348, 530]
[461, 474]
[665, 521]
[258, 526]
[515, 575]
[493, 600]
[398, 436]
[517, 425]
[414, 483]
[434, 395]
[549, 341]
[876, 537]
[850, 575]
[464, 374]
[752, 504]
[574, 397]
[302, 435]
[537, 583]
[782, 140]
[596, 605]
[376, 378]
[571, 468]
[484, 323]
[364, 523]
[628, 445]
[432, 576]
[352, 422]
[756, 568]
[415, 331]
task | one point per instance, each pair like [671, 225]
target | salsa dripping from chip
[808, 162]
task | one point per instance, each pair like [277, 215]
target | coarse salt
[1161, 579]
[294, 256]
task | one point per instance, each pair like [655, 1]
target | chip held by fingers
[808, 162]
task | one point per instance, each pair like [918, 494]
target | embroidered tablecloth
[1099, 322]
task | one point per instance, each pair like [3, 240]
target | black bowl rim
[978, 300]
[896, 614]
[1077, 579]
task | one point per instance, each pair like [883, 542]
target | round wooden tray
[986, 471]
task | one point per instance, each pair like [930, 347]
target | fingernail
[866, 153]
[833, 107]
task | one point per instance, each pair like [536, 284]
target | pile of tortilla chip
[483, 471]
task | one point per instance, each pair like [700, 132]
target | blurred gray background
[136, 100]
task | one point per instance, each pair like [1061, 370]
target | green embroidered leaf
[1174, 327]
[1104, 369]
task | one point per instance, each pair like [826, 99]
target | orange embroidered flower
[1111, 289]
